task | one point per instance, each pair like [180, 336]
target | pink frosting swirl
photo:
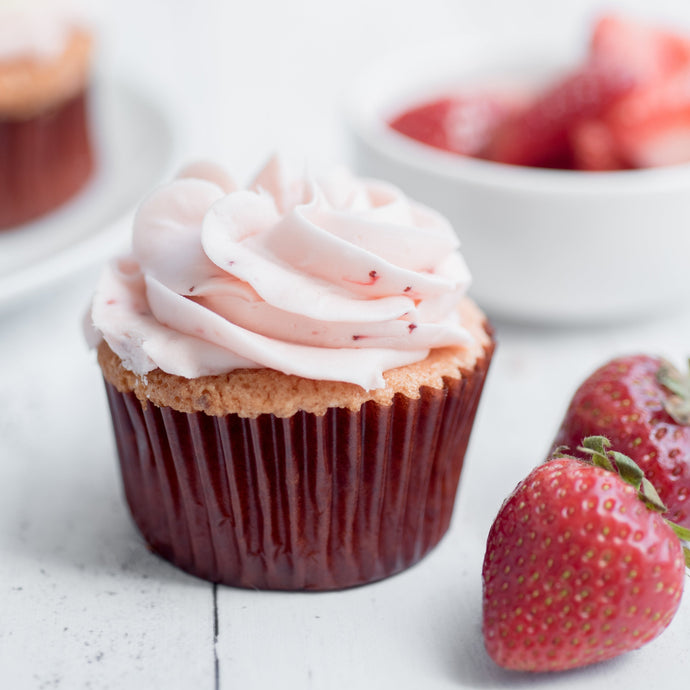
[332, 279]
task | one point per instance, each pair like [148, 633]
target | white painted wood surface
[83, 604]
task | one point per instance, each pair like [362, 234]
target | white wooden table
[84, 604]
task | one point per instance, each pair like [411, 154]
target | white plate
[133, 142]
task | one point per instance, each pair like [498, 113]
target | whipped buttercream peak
[209, 171]
[286, 190]
[326, 277]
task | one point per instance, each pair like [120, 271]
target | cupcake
[45, 150]
[293, 371]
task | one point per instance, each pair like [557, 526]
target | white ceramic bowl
[542, 245]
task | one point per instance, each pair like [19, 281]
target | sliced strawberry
[628, 106]
[651, 124]
[625, 59]
[425, 123]
[472, 121]
[670, 145]
[648, 51]
[540, 135]
[595, 148]
[461, 124]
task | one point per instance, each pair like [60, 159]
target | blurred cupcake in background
[45, 146]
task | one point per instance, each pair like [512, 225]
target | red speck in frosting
[411, 327]
[373, 277]
[357, 337]
[408, 288]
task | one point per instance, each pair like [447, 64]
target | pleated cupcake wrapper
[305, 502]
[44, 160]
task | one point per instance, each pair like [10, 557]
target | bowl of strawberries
[567, 177]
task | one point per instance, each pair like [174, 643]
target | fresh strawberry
[651, 125]
[641, 404]
[579, 567]
[628, 106]
[540, 135]
[460, 124]
[626, 59]
[595, 148]
[648, 126]
[425, 123]
[668, 145]
[648, 51]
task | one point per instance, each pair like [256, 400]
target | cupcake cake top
[45, 50]
[36, 30]
[330, 278]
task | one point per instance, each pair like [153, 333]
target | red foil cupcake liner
[301, 503]
[44, 160]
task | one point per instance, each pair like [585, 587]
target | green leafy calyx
[600, 455]
[678, 384]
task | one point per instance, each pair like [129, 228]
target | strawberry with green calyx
[580, 565]
[642, 404]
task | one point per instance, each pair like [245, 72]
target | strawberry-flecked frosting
[330, 278]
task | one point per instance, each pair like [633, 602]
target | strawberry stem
[683, 533]
[650, 496]
[628, 469]
[597, 447]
